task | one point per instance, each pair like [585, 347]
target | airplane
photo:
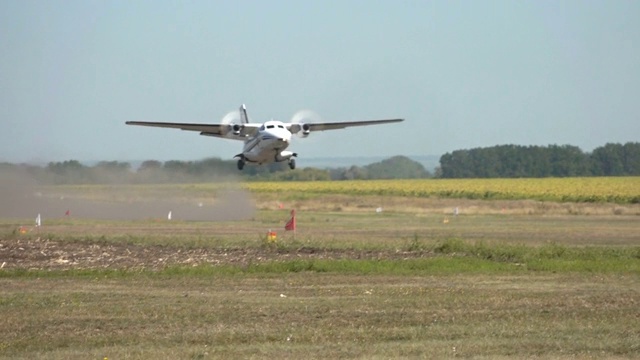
[263, 143]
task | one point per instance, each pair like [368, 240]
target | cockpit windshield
[272, 125]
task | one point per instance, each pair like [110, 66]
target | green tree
[568, 161]
[631, 159]
[457, 164]
[608, 160]
[397, 167]
[511, 161]
[69, 172]
[150, 165]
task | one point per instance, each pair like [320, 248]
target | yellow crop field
[591, 189]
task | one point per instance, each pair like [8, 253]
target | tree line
[513, 161]
[502, 161]
[212, 169]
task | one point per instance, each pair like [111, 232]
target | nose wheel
[292, 164]
[240, 164]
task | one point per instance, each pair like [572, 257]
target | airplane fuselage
[268, 145]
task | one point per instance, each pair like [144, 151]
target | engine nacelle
[305, 129]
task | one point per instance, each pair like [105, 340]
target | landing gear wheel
[292, 164]
[240, 164]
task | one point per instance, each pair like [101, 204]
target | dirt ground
[45, 254]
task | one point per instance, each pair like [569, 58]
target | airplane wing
[227, 131]
[294, 128]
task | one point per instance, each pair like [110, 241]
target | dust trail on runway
[21, 197]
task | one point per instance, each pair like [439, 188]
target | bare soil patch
[45, 254]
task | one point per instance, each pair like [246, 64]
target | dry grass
[311, 315]
[444, 206]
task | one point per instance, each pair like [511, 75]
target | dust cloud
[21, 197]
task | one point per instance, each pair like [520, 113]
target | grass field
[503, 279]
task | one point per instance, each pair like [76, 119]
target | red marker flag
[67, 213]
[291, 224]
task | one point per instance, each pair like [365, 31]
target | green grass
[351, 283]
[319, 315]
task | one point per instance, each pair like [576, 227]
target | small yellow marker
[271, 236]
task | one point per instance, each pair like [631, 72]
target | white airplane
[263, 143]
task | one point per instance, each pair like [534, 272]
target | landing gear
[240, 164]
[292, 164]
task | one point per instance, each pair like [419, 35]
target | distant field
[383, 275]
[622, 190]
[592, 189]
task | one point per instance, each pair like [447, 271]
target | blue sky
[463, 74]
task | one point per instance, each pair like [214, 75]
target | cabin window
[269, 126]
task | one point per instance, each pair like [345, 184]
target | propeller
[233, 120]
[302, 118]
[232, 117]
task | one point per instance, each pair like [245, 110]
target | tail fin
[244, 119]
